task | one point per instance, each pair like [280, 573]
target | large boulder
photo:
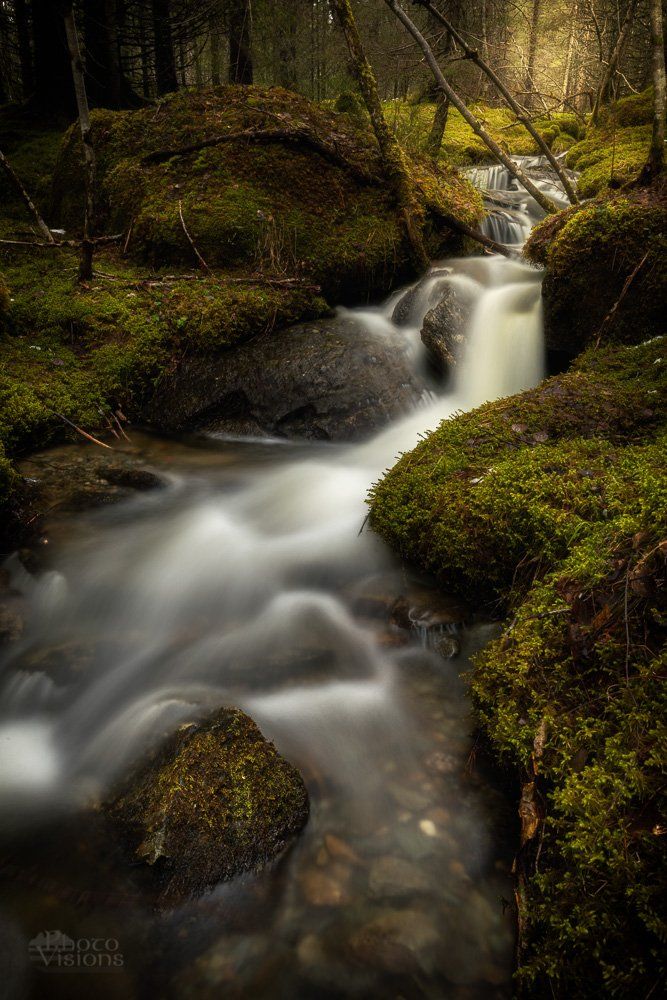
[215, 800]
[443, 329]
[260, 179]
[605, 270]
[330, 380]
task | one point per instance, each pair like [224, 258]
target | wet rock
[440, 762]
[132, 479]
[443, 329]
[76, 477]
[64, 662]
[448, 646]
[411, 306]
[11, 624]
[392, 877]
[340, 849]
[422, 607]
[322, 889]
[409, 798]
[329, 380]
[214, 800]
[397, 941]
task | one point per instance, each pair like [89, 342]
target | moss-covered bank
[552, 506]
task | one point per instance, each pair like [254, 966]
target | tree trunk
[165, 62]
[435, 136]
[53, 79]
[393, 160]
[287, 48]
[603, 89]
[239, 21]
[25, 53]
[505, 93]
[546, 203]
[567, 75]
[214, 35]
[656, 156]
[86, 261]
[529, 85]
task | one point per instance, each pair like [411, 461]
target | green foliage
[462, 147]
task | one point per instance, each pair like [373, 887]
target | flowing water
[251, 581]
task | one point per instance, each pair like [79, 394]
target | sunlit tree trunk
[393, 160]
[533, 40]
[656, 156]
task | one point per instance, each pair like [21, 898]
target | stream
[252, 580]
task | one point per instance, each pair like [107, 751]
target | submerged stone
[215, 800]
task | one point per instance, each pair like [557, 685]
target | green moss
[216, 800]
[590, 253]
[553, 506]
[515, 482]
[582, 663]
[282, 206]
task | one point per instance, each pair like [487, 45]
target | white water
[226, 589]
[247, 554]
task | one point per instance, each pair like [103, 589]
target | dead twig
[611, 315]
[199, 257]
[80, 430]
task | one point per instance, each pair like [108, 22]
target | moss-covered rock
[614, 152]
[494, 496]
[310, 200]
[605, 269]
[215, 800]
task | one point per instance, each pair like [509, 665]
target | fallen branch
[25, 198]
[474, 234]
[58, 244]
[80, 430]
[294, 136]
[199, 257]
[173, 279]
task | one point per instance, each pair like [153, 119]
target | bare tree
[610, 69]
[520, 112]
[391, 153]
[533, 40]
[546, 203]
[86, 260]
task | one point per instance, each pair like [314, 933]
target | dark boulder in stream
[330, 379]
[443, 330]
[216, 799]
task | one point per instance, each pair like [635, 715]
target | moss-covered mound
[605, 263]
[270, 177]
[495, 495]
[553, 506]
[614, 152]
[216, 800]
